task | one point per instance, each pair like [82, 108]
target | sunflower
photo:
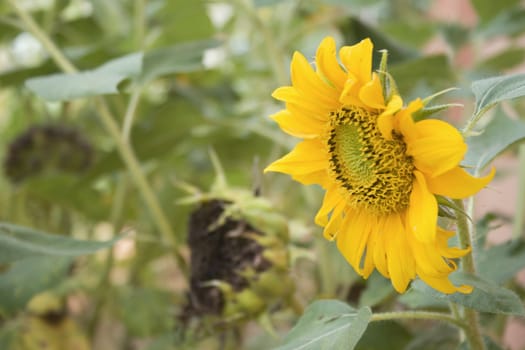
[380, 169]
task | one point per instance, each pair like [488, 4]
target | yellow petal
[386, 120]
[443, 249]
[423, 210]
[298, 125]
[378, 247]
[353, 239]
[319, 177]
[371, 94]
[438, 147]
[457, 183]
[401, 264]
[404, 122]
[292, 96]
[385, 123]
[332, 197]
[327, 65]
[349, 95]
[444, 285]
[358, 59]
[307, 157]
[309, 84]
[333, 228]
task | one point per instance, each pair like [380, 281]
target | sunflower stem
[32, 27]
[427, 315]
[112, 128]
[273, 50]
[471, 317]
[517, 230]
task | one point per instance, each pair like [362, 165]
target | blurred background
[205, 100]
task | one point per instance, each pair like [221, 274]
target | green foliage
[19, 243]
[384, 335]
[489, 9]
[143, 311]
[180, 77]
[501, 133]
[28, 277]
[509, 254]
[489, 92]
[328, 324]
[486, 296]
[100, 81]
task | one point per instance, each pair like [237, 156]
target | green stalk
[517, 230]
[44, 39]
[426, 315]
[111, 126]
[472, 331]
[273, 51]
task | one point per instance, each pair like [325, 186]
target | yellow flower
[380, 169]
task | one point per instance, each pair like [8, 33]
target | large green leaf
[377, 290]
[354, 30]
[489, 9]
[503, 60]
[18, 243]
[501, 133]
[100, 81]
[328, 325]
[490, 91]
[486, 296]
[105, 79]
[384, 335]
[144, 311]
[510, 254]
[27, 277]
[489, 345]
[510, 22]
[433, 72]
[180, 58]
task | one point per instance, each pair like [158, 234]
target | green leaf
[377, 290]
[510, 254]
[490, 91]
[28, 277]
[416, 299]
[504, 60]
[354, 30]
[489, 9]
[18, 243]
[384, 335]
[181, 58]
[508, 23]
[144, 311]
[486, 296]
[489, 344]
[184, 20]
[501, 133]
[440, 337]
[433, 72]
[327, 325]
[100, 81]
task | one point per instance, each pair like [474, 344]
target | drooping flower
[380, 169]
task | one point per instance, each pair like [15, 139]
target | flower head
[380, 169]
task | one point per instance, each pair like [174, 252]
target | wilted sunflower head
[381, 170]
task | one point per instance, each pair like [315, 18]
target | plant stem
[472, 331]
[130, 113]
[138, 177]
[273, 51]
[427, 315]
[50, 46]
[517, 230]
[111, 126]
